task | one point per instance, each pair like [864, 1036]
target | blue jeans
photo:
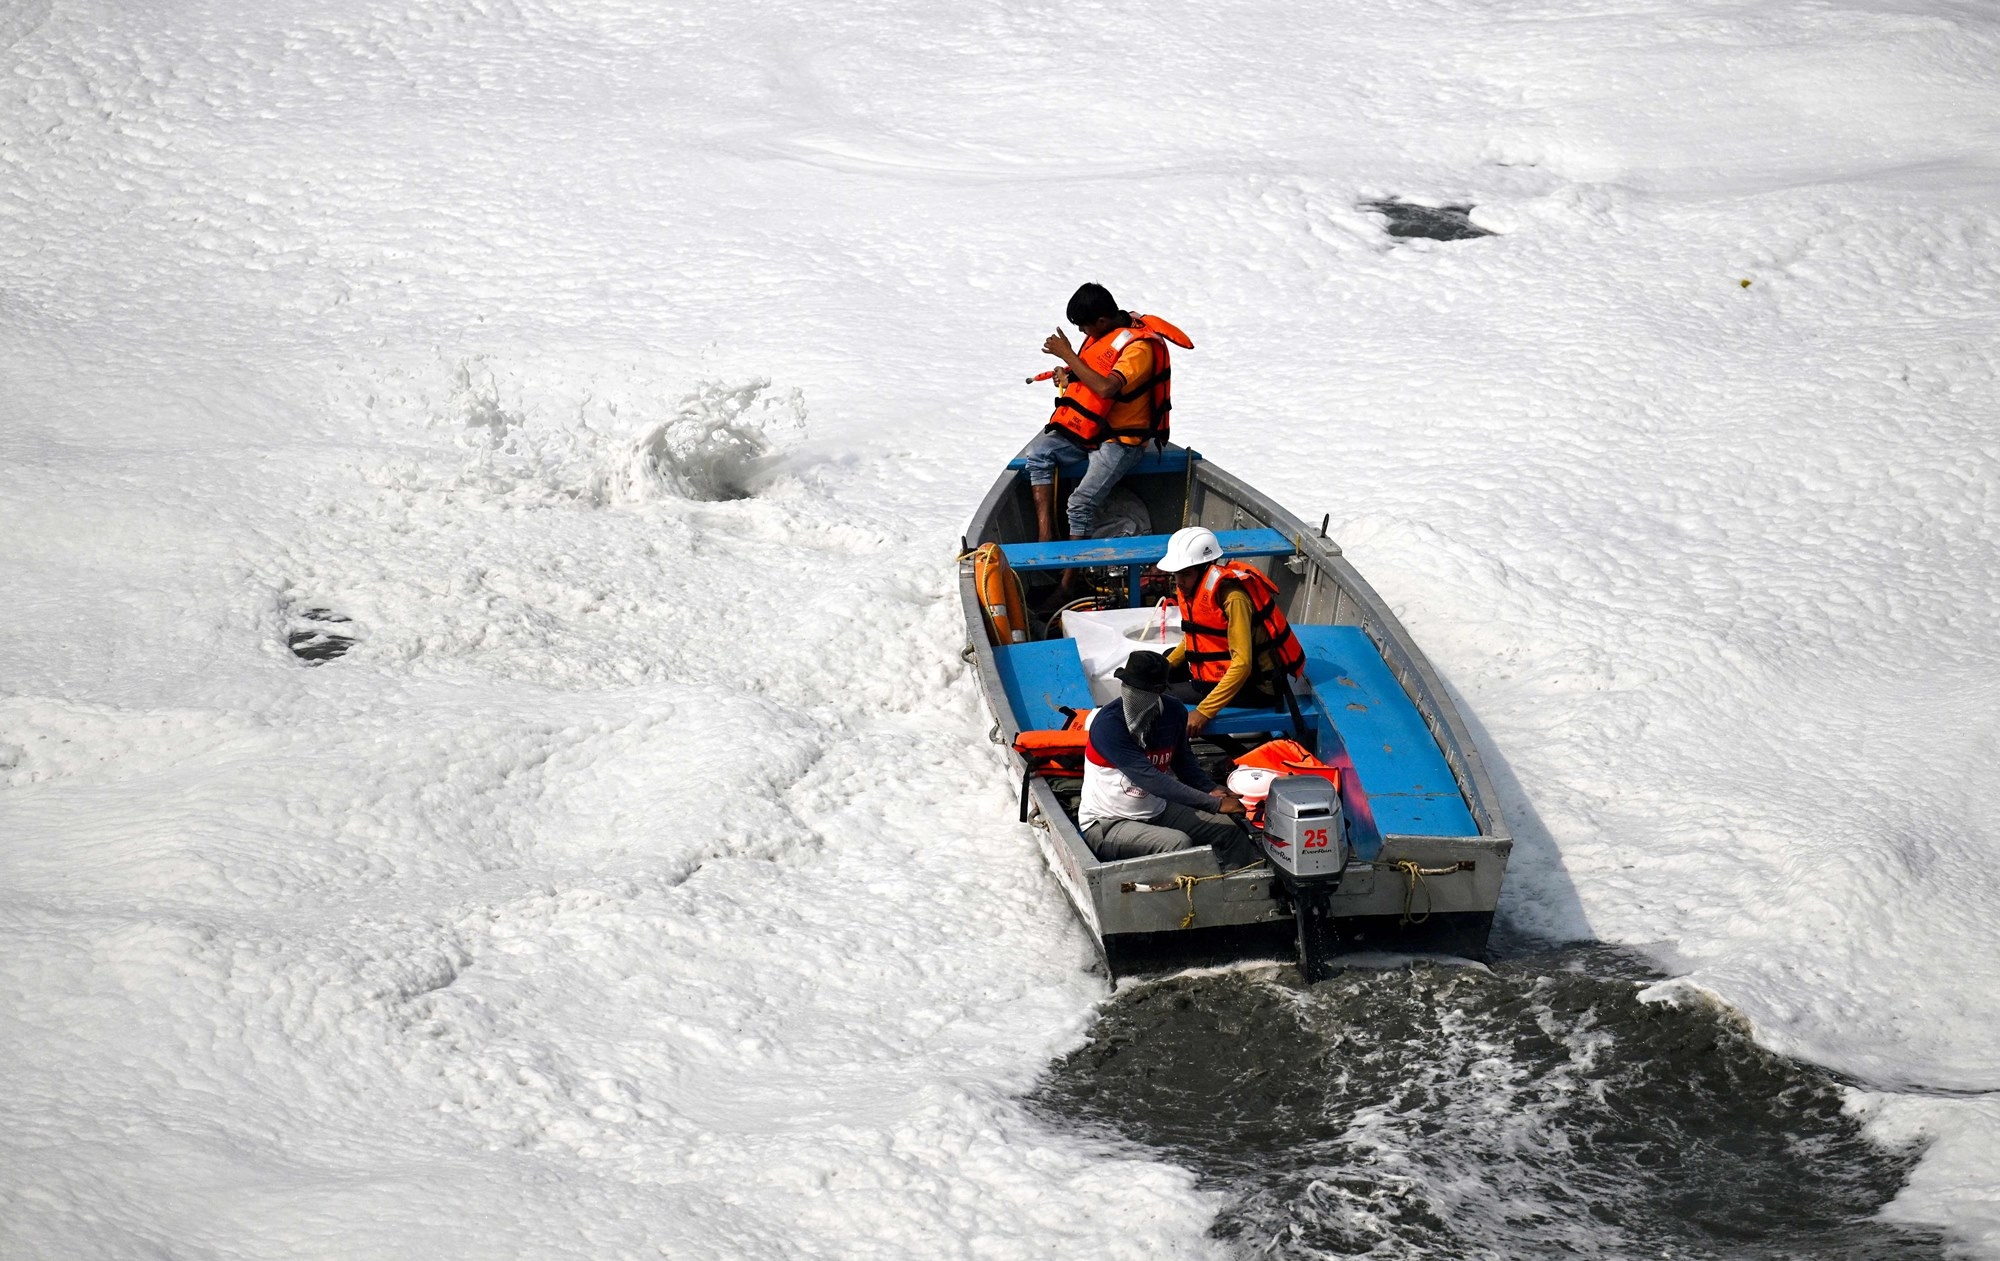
[1052, 447]
[1108, 464]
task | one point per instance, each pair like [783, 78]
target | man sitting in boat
[1143, 791]
[1238, 647]
[1116, 393]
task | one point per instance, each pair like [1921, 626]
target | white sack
[1104, 639]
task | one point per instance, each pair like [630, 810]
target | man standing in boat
[1116, 393]
[1238, 647]
[1143, 791]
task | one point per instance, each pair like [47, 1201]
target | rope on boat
[1186, 884]
[1413, 879]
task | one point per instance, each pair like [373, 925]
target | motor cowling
[1304, 837]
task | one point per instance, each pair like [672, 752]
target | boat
[1424, 847]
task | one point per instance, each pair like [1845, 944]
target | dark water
[1435, 223]
[318, 636]
[1438, 1110]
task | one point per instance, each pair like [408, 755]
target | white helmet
[1190, 546]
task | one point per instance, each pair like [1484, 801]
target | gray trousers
[1176, 827]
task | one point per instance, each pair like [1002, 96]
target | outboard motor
[1306, 844]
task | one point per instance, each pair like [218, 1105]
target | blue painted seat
[1355, 697]
[1357, 708]
[1250, 721]
[1137, 552]
[1409, 785]
[1041, 678]
[1135, 549]
[1171, 460]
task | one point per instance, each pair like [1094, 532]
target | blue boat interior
[1135, 554]
[1171, 460]
[1357, 713]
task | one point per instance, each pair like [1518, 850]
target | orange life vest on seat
[1139, 414]
[1206, 625]
[1288, 757]
[1279, 758]
[1056, 754]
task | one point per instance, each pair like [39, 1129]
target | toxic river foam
[615, 379]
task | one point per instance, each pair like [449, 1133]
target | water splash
[716, 445]
[718, 441]
[1542, 1108]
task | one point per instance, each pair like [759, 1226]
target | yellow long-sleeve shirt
[1242, 638]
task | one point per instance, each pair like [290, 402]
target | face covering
[1141, 708]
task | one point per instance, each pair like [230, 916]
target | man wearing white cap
[1238, 644]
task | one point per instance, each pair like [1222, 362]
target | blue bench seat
[1171, 460]
[1136, 552]
[1357, 709]
[1040, 679]
[1410, 786]
[1135, 549]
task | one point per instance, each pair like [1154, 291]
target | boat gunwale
[1392, 639]
[1407, 663]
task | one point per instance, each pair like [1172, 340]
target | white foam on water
[641, 881]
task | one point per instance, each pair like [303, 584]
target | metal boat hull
[1414, 891]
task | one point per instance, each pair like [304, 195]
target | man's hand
[1196, 721]
[1231, 805]
[1057, 344]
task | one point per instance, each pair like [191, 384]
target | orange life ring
[999, 589]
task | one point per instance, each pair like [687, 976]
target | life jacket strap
[1135, 392]
[1079, 408]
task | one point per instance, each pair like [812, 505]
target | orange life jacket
[1056, 754]
[1140, 413]
[1206, 625]
[1289, 757]
[1282, 757]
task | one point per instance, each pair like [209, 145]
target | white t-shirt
[1109, 794]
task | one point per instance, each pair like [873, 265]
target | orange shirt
[1135, 363]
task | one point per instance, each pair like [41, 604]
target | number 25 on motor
[1314, 838]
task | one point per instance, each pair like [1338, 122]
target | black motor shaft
[1306, 843]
